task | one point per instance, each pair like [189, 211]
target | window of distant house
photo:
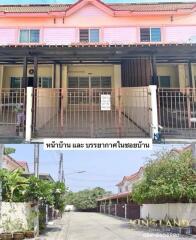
[150, 34]
[89, 35]
[29, 36]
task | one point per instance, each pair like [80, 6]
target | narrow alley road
[95, 226]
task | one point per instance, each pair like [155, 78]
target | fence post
[29, 105]
[125, 211]
[119, 113]
[153, 110]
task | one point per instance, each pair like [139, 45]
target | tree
[41, 190]
[85, 199]
[169, 178]
[9, 150]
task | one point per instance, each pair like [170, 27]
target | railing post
[153, 110]
[125, 211]
[29, 105]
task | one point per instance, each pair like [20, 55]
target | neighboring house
[124, 188]
[127, 182]
[43, 176]
[120, 204]
[72, 54]
[11, 164]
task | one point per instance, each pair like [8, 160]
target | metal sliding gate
[12, 113]
[95, 112]
[177, 112]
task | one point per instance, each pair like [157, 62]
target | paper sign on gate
[105, 102]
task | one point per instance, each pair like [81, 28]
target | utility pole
[36, 173]
[193, 146]
[61, 176]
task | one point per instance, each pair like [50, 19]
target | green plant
[14, 185]
[86, 199]
[169, 178]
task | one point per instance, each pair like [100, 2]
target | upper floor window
[150, 34]
[89, 35]
[29, 36]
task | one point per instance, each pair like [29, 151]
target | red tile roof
[132, 177]
[151, 7]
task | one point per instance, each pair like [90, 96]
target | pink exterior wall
[179, 34]
[7, 36]
[120, 35]
[65, 36]
[122, 29]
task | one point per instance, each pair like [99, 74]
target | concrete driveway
[95, 226]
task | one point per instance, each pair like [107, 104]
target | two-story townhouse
[73, 54]
[11, 164]
[120, 204]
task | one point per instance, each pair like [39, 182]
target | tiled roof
[181, 150]
[153, 7]
[35, 8]
[131, 177]
[45, 8]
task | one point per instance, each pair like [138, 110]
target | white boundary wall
[15, 213]
[172, 210]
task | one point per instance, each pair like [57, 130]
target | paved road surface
[95, 226]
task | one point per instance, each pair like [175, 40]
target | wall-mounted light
[172, 18]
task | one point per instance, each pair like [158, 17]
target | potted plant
[18, 235]
[30, 225]
[6, 235]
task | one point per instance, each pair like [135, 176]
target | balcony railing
[177, 112]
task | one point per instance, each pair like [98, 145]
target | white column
[29, 106]
[46, 213]
[115, 209]
[153, 109]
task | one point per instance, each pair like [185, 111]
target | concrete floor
[96, 226]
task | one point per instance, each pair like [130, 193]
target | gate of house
[12, 113]
[100, 112]
[177, 112]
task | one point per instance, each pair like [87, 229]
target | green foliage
[169, 178]
[14, 186]
[41, 190]
[9, 150]
[59, 191]
[86, 199]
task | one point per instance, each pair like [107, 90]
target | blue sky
[103, 168]
[71, 1]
